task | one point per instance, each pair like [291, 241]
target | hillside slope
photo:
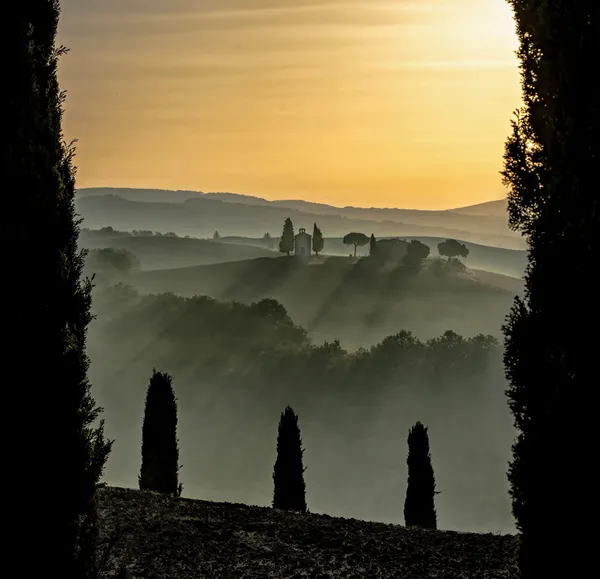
[164, 252]
[511, 262]
[188, 539]
[332, 298]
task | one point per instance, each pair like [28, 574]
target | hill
[199, 215]
[492, 208]
[189, 539]
[336, 297]
[163, 252]
[510, 262]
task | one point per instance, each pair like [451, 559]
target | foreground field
[162, 537]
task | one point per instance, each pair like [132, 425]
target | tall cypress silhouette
[288, 474]
[551, 169]
[286, 243]
[419, 505]
[160, 453]
[372, 246]
[317, 240]
[59, 455]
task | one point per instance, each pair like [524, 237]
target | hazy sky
[401, 103]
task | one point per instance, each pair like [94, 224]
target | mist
[236, 367]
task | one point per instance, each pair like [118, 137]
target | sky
[388, 103]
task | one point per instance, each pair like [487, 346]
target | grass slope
[173, 252]
[188, 539]
[331, 301]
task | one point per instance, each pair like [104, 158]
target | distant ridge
[199, 214]
[496, 208]
[182, 195]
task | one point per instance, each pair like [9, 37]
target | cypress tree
[317, 240]
[286, 243]
[551, 169]
[288, 473]
[160, 453]
[372, 245]
[419, 505]
[59, 452]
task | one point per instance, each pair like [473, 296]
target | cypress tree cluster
[160, 452]
[288, 473]
[419, 505]
[59, 456]
[551, 169]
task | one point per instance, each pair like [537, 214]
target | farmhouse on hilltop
[302, 243]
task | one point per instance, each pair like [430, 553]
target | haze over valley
[361, 347]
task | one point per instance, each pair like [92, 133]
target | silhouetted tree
[216, 235]
[58, 455]
[160, 453]
[416, 252]
[372, 245]
[355, 239]
[317, 240]
[551, 169]
[108, 263]
[288, 473]
[286, 244]
[419, 505]
[272, 309]
[452, 248]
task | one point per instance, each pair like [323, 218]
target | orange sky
[402, 103]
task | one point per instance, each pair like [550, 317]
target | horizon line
[198, 192]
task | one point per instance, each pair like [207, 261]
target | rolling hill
[165, 252]
[162, 252]
[162, 536]
[200, 214]
[491, 208]
[333, 298]
[510, 262]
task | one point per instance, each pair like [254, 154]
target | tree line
[414, 251]
[160, 458]
[271, 349]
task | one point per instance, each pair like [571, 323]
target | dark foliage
[108, 264]
[286, 243]
[211, 337]
[452, 248]
[317, 240]
[372, 246]
[355, 239]
[216, 235]
[551, 169]
[419, 505]
[56, 455]
[288, 474]
[417, 251]
[160, 453]
[399, 251]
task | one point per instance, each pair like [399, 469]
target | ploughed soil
[160, 537]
